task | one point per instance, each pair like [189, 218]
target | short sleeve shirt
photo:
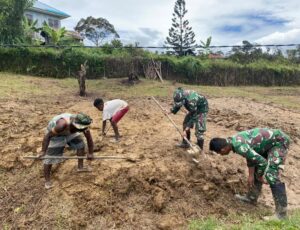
[112, 107]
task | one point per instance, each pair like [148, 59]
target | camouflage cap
[178, 95]
[82, 121]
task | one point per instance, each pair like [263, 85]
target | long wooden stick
[174, 124]
[77, 157]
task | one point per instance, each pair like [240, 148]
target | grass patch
[236, 222]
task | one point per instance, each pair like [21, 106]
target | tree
[181, 36]
[294, 54]
[205, 46]
[96, 29]
[29, 30]
[11, 19]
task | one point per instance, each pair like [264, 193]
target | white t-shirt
[112, 107]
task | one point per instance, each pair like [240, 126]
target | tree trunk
[81, 80]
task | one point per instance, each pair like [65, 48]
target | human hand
[41, 155]
[90, 156]
[262, 180]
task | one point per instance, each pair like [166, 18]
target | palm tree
[53, 36]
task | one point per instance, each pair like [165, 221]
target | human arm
[176, 107]
[45, 144]
[253, 158]
[103, 127]
[90, 143]
[251, 171]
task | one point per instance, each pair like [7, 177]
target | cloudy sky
[227, 21]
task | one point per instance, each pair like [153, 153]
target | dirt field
[162, 190]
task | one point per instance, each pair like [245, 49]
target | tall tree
[181, 35]
[96, 29]
[11, 19]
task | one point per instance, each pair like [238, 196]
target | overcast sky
[227, 21]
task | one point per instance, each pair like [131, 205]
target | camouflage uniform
[265, 149]
[197, 106]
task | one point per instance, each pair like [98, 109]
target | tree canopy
[96, 29]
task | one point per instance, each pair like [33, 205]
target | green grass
[246, 223]
[15, 85]
[19, 85]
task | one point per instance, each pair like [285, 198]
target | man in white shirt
[113, 111]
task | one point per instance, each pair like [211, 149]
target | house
[215, 56]
[45, 13]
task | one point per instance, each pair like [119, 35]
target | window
[29, 18]
[54, 23]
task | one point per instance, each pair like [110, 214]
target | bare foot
[115, 140]
[48, 185]
[84, 169]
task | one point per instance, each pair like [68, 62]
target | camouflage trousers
[275, 162]
[199, 120]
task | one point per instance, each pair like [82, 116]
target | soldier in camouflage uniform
[265, 150]
[197, 107]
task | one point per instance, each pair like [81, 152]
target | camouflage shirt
[254, 144]
[193, 102]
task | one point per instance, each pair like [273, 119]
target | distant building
[45, 13]
[215, 56]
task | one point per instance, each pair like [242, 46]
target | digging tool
[81, 157]
[194, 148]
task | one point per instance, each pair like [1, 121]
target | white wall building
[45, 13]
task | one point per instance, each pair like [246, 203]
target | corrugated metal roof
[39, 6]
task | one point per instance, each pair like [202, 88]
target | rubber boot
[252, 196]
[280, 200]
[184, 144]
[200, 143]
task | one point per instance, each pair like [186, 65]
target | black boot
[280, 199]
[184, 143]
[252, 195]
[200, 143]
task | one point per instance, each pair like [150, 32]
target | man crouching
[63, 130]
[265, 150]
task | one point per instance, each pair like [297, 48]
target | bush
[120, 62]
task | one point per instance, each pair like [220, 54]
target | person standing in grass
[63, 130]
[197, 107]
[265, 150]
[113, 111]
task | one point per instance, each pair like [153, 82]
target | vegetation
[246, 223]
[113, 60]
[96, 29]
[53, 36]
[181, 35]
[11, 19]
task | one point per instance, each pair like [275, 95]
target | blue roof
[48, 9]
